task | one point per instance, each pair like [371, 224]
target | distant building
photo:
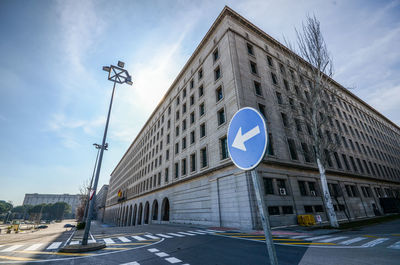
[178, 169]
[35, 199]
[101, 197]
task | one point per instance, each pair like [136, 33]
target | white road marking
[353, 240]
[130, 263]
[187, 234]
[212, 231]
[199, 233]
[375, 242]
[165, 236]
[138, 238]
[76, 242]
[54, 245]
[12, 248]
[173, 260]
[162, 254]
[151, 237]
[91, 241]
[315, 238]
[333, 239]
[34, 246]
[124, 239]
[173, 234]
[395, 245]
[297, 237]
[152, 250]
[108, 241]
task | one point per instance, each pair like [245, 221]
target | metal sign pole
[264, 219]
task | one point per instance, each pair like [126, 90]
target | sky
[54, 95]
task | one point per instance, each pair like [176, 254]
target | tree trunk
[327, 197]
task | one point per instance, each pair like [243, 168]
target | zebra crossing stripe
[316, 238]
[212, 231]
[34, 246]
[333, 239]
[131, 263]
[297, 237]
[164, 236]
[198, 233]
[76, 242]
[12, 248]
[152, 250]
[173, 234]
[138, 238]
[353, 240]
[162, 254]
[91, 241]
[395, 245]
[187, 234]
[173, 260]
[124, 239]
[374, 242]
[54, 245]
[108, 241]
[151, 237]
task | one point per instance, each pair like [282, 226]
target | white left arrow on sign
[240, 138]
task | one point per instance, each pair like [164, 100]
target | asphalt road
[173, 244]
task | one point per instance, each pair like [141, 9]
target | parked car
[68, 225]
[42, 226]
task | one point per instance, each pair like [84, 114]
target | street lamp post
[91, 181]
[116, 74]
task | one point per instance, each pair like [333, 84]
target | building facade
[71, 200]
[101, 197]
[178, 169]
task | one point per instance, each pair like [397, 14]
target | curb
[82, 248]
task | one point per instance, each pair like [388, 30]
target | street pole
[90, 187]
[264, 219]
[92, 201]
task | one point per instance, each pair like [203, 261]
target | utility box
[306, 219]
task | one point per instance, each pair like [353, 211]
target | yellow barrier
[306, 219]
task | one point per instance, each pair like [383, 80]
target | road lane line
[138, 238]
[108, 241]
[12, 248]
[333, 239]
[124, 239]
[54, 245]
[152, 250]
[162, 254]
[395, 245]
[187, 234]
[351, 241]
[375, 242]
[173, 260]
[17, 258]
[34, 246]
[316, 238]
[178, 235]
[151, 236]
[165, 236]
[130, 263]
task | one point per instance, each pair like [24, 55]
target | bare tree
[83, 191]
[311, 70]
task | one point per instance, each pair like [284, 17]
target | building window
[183, 143]
[306, 152]
[184, 93]
[183, 108]
[279, 97]
[184, 125]
[183, 165]
[268, 186]
[318, 208]
[201, 109]
[192, 137]
[176, 170]
[202, 130]
[167, 155]
[253, 67]
[176, 148]
[273, 210]
[302, 188]
[203, 154]
[221, 116]
[217, 73]
[270, 62]
[166, 174]
[191, 84]
[177, 130]
[308, 209]
[192, 118]
[219, 94]
[284, 119]
[346, 163]
[250, 49]
[191, 100]
[257, 88]
[298, 125]
[200, 74]
[274, 80]
[201, 91]
[215, 55]
[287, 209]
[312, 188]
[261, 108]
[337, 159]
[223, 148]
[177, 115]
[270, 147]
[281, 183]
[193, 162]
[292, 149]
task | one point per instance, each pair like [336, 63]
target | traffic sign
[247, 138]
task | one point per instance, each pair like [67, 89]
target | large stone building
[35, 199]
[177, 169]
[100, 206]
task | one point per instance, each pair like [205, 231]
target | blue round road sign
[247, 138]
